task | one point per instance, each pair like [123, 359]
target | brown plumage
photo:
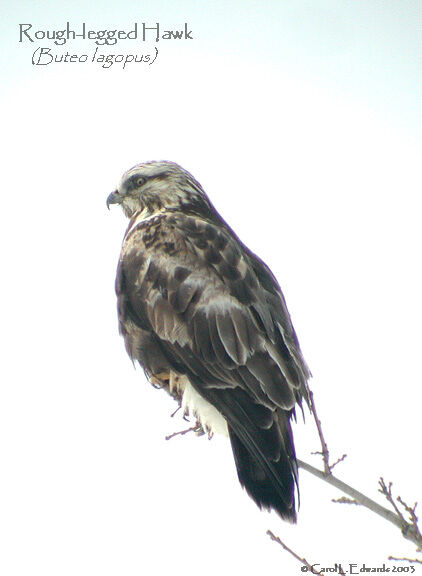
[207, 321]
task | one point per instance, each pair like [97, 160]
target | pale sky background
[302, 120]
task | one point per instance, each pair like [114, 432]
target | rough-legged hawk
[207, 321]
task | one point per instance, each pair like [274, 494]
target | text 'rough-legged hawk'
[207, 321]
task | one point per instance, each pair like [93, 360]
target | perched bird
[207, 321]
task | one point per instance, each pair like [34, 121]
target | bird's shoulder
[173, 239]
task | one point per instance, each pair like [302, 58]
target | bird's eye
[140, 181]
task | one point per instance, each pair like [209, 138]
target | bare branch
[358, 496]
[303, 561]
[409, 530]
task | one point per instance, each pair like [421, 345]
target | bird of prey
[207, 321]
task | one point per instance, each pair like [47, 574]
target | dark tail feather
[270, 483]
[263, 448]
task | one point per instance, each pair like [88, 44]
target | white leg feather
[209, 417]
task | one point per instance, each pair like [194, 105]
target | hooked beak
[113, 198]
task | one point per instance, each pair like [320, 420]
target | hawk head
[156, 186]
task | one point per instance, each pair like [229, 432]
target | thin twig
[388, 494]
[173, 414]
[293, 553]
[411, 560]
[325, 453]
[183, 432]
[411, 511]
[338, 461]
[410, 529]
